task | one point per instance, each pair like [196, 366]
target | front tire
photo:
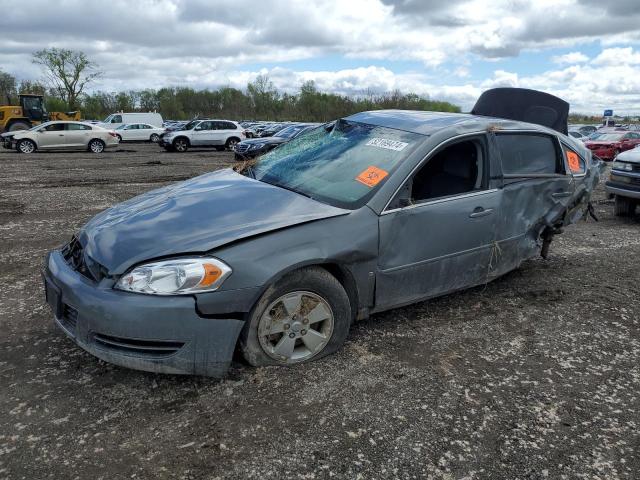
[304, 316]
[119, 138]
[26, 146]
[624, 207]
[96, 146]
[181, 145]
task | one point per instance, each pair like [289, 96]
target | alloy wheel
[296, 327]
[26, 146]
[96, 146]
[181, 145]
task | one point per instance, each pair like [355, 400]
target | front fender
[349, 241]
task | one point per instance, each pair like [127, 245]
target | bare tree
[68, 72]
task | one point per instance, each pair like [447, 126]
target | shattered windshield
[341, 166]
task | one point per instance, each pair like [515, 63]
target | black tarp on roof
[524, 105]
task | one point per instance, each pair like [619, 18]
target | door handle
[561, 194]
[61, 134]
[480, 212]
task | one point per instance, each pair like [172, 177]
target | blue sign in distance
[608, 113]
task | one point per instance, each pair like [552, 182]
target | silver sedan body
[63, 136]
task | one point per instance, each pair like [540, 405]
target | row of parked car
[178, 136]
[606, 142]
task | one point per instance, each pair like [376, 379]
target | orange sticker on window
[372, 176]
[574, 162]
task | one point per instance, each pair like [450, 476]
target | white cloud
[570, 58]
[206, 43]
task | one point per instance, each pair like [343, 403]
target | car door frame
[76, 138]
[389, 295]
[517, 246]
[57, 135]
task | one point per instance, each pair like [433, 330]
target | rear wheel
[154, 138]
[231, 142]
[19, 126]
[624, 207]
[96, 146]
[26, 146]
[181, 145]
[304, 316]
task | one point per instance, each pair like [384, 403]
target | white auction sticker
[388, 144]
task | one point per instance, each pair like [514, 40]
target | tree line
[67, 74]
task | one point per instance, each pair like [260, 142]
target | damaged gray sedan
[377, 210]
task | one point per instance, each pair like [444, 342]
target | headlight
[255, 146]
[622, 166]
[179, 276]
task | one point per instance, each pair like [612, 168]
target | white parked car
[577, 134]
[220, 134]
[142, 132]
[116, 119]
[61, 135]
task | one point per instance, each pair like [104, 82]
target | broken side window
[455, 170]
[528, 154]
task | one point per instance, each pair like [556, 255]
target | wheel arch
[181, 137]
[336, 269]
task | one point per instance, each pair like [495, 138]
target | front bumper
[143, 332]
[623, 190]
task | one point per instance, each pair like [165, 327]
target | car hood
[261, 140]
[632, 155]
[194, 216]
[596, 143]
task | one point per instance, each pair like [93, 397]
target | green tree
[68, 72]
[7, 88]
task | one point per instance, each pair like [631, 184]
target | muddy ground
[534, 376]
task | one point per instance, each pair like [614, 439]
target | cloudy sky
[586, 51]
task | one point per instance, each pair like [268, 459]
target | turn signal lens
[211, 274]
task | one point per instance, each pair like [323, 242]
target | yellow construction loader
[30, 112]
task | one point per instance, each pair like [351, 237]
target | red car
[607, 146]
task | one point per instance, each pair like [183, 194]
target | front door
[203, 133]
[51, 136]
[443, 239]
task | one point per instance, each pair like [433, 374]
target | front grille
[151, 348]
[636, 167]
[241, 148]
[69, 318]
[73, 253]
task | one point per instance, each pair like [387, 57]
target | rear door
[629, 141]
[76, 135]
[536, 188]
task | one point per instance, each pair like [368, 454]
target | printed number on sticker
[388, 144]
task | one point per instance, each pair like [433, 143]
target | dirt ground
[536, 375]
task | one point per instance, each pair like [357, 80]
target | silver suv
[221, 134]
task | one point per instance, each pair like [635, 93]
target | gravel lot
[535, 375]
